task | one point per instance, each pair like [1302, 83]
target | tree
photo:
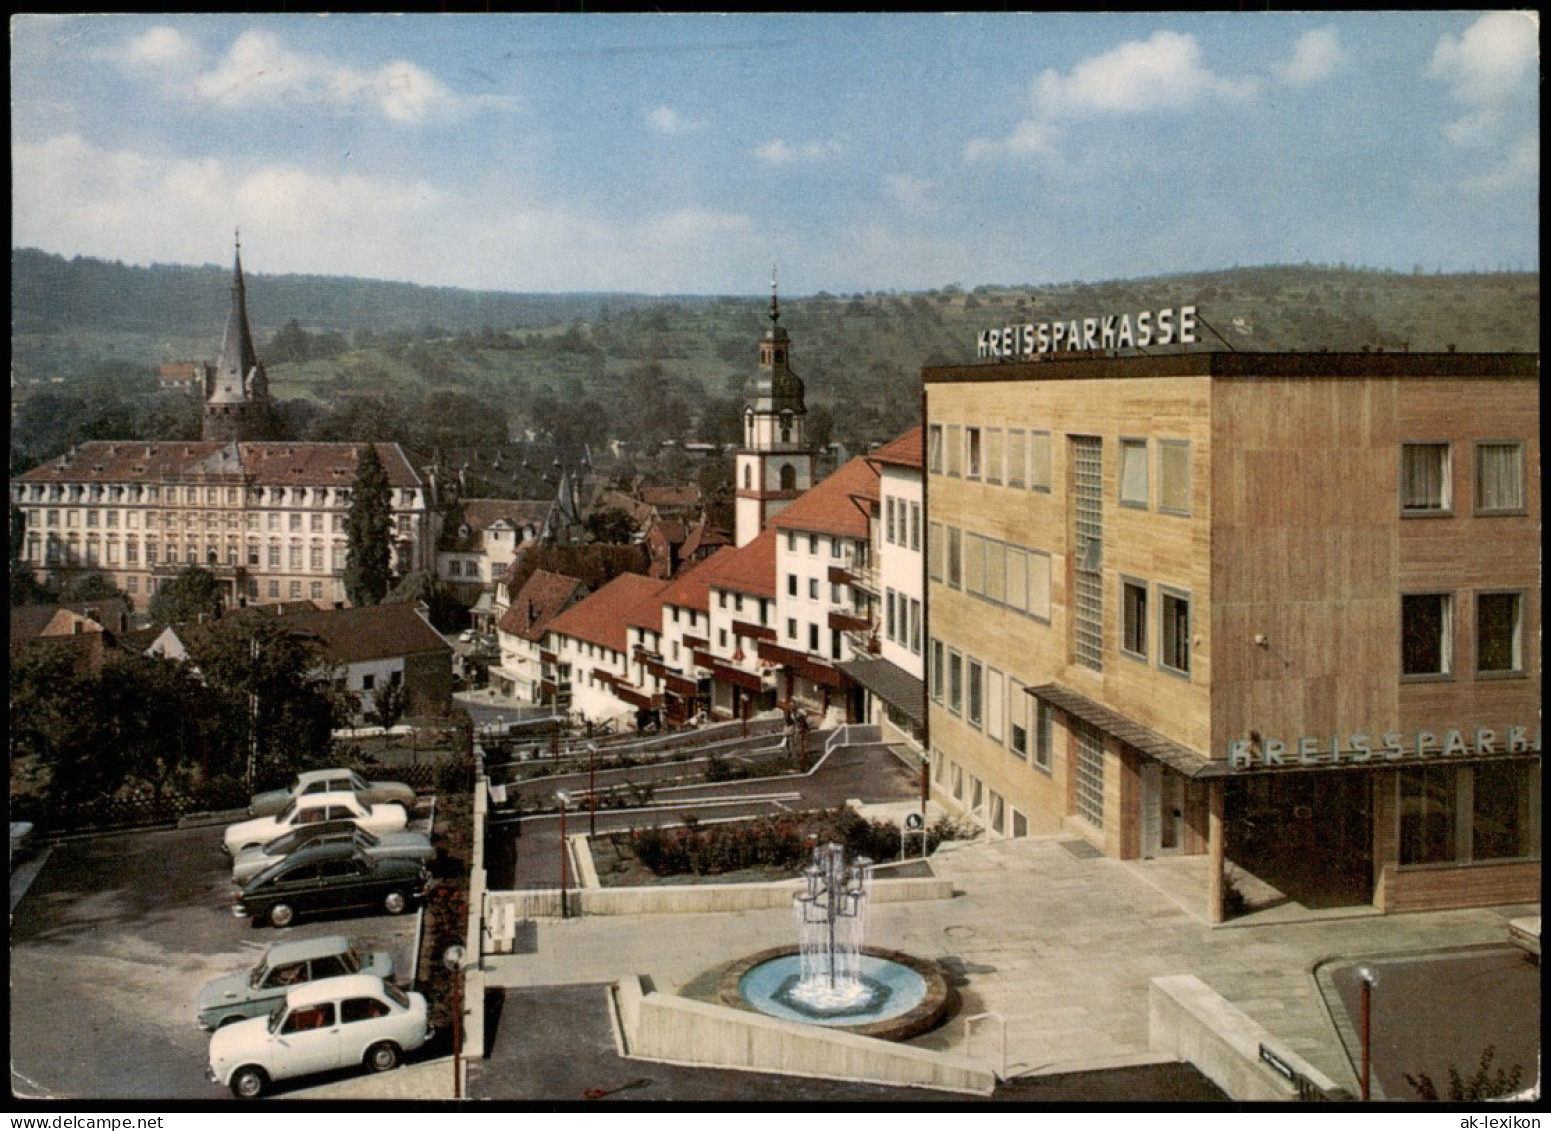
[272, 698]
[193, 596]
[56, 718]
[367, 570]
[159, 711]
[92, 587]
[389, 702]
[610, 525]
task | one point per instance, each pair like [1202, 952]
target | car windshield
[351, 962]
[399, 997]
[276, 1015]
[356, 781]
[260, 972]
[288, 812]
[281, 844]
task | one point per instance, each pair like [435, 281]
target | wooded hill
[648, 367]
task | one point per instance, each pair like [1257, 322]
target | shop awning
[891, 683]
[1178, 758]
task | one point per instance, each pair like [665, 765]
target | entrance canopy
[891, 683]
[1180, 759]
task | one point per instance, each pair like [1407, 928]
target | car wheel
[281, 914]
[382, 1056]
[248, 1082]
[395, 903]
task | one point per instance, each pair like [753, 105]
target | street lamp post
[592, 789]
[1365, 984]
[453, 960]
[565, 799]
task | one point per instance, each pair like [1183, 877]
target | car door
[363, 1021]
[309, 815]
[308, 1040]
[344, 882]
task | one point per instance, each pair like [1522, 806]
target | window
[974, 564]
[1090, 774]
[1017, 719]
[888, 526]
[996, 571]
[1133, 473]
[1017, 457]
[955, 449]
[936, 547]
[454, 568]
[993, 455]
[915, 626]
[295, 557]
[937, 670]
[1498, 650]
[1039, 585]
[934, 449]
[1505, 810]
[131, 553]
[791, 541]
[1500, 477]
[972, 453]
[915, 526]
[1174, 476]
[813, 638]
[1039, 461]
[316, 523]
[994, 688]
[813, 589]
[791, 585]
[362, 1009]
[888, 604]
[1426, 634]
[315, 556]
[1174, 647]
[274, 555]
[319, 1016]
[976, 692]
[133, 585]
[791, 628]
[274, 520]
[1017, 586]
[1424, 479]
[1133, 614]
[955, 682]
[813, 543]
[296, 522]
[296, 590]
[317, 590]
[955, 558]
[274, 589]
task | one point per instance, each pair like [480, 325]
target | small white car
[318, 1027]
[310, 809]
[331, 781]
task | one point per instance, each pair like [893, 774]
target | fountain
[830, 978]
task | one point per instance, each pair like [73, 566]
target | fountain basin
[900, 996]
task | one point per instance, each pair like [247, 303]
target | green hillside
[441, 366]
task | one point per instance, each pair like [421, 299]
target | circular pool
[895, 997]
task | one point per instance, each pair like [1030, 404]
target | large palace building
[267, 518]
[1278, 610]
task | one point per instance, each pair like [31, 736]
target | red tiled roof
[368, 632]
[545, 595]
[905, 451]
[671, 496]
[480, 514]
[748, 569]
[262, 464]
[703, 537]
[601, 618]
[827, 508]
[691, 589]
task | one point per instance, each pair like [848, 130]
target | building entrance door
[1163, 811]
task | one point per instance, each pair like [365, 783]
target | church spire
[238, 359]
[775, 309]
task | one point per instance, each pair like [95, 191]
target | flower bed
[761, 849]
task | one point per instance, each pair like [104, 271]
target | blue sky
[686, 154]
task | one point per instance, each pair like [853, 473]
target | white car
[318, 1027]
[310, 809]
[331, 781]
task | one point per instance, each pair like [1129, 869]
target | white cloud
[1161, 73]
[908, 191]
[779, 153]
[259, 70]
[161, 47]
[1492, 61]
[667, 120]
[1315, 57]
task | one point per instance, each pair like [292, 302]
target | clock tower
[774, 464]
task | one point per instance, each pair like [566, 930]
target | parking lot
[111, 944]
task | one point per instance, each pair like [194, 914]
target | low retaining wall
[1187, 1020]
[675, 1030]
[699, 899]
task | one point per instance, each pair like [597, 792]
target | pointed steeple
[238, 359]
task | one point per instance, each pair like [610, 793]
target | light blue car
[254, 993]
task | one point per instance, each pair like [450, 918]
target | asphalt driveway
[109, 947]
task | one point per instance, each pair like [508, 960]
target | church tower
[236, 389]
[774, 464]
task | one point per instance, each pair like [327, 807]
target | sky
[679, 154]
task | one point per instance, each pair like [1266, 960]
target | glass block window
[1090, 774]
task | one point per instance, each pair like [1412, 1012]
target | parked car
[256, 992]
[312, 809]
[331, 781]
[408, 845]
[329, 877]
[319, 1027]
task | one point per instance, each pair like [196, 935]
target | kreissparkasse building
[1280, 610]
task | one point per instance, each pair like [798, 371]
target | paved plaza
[1060, 943]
